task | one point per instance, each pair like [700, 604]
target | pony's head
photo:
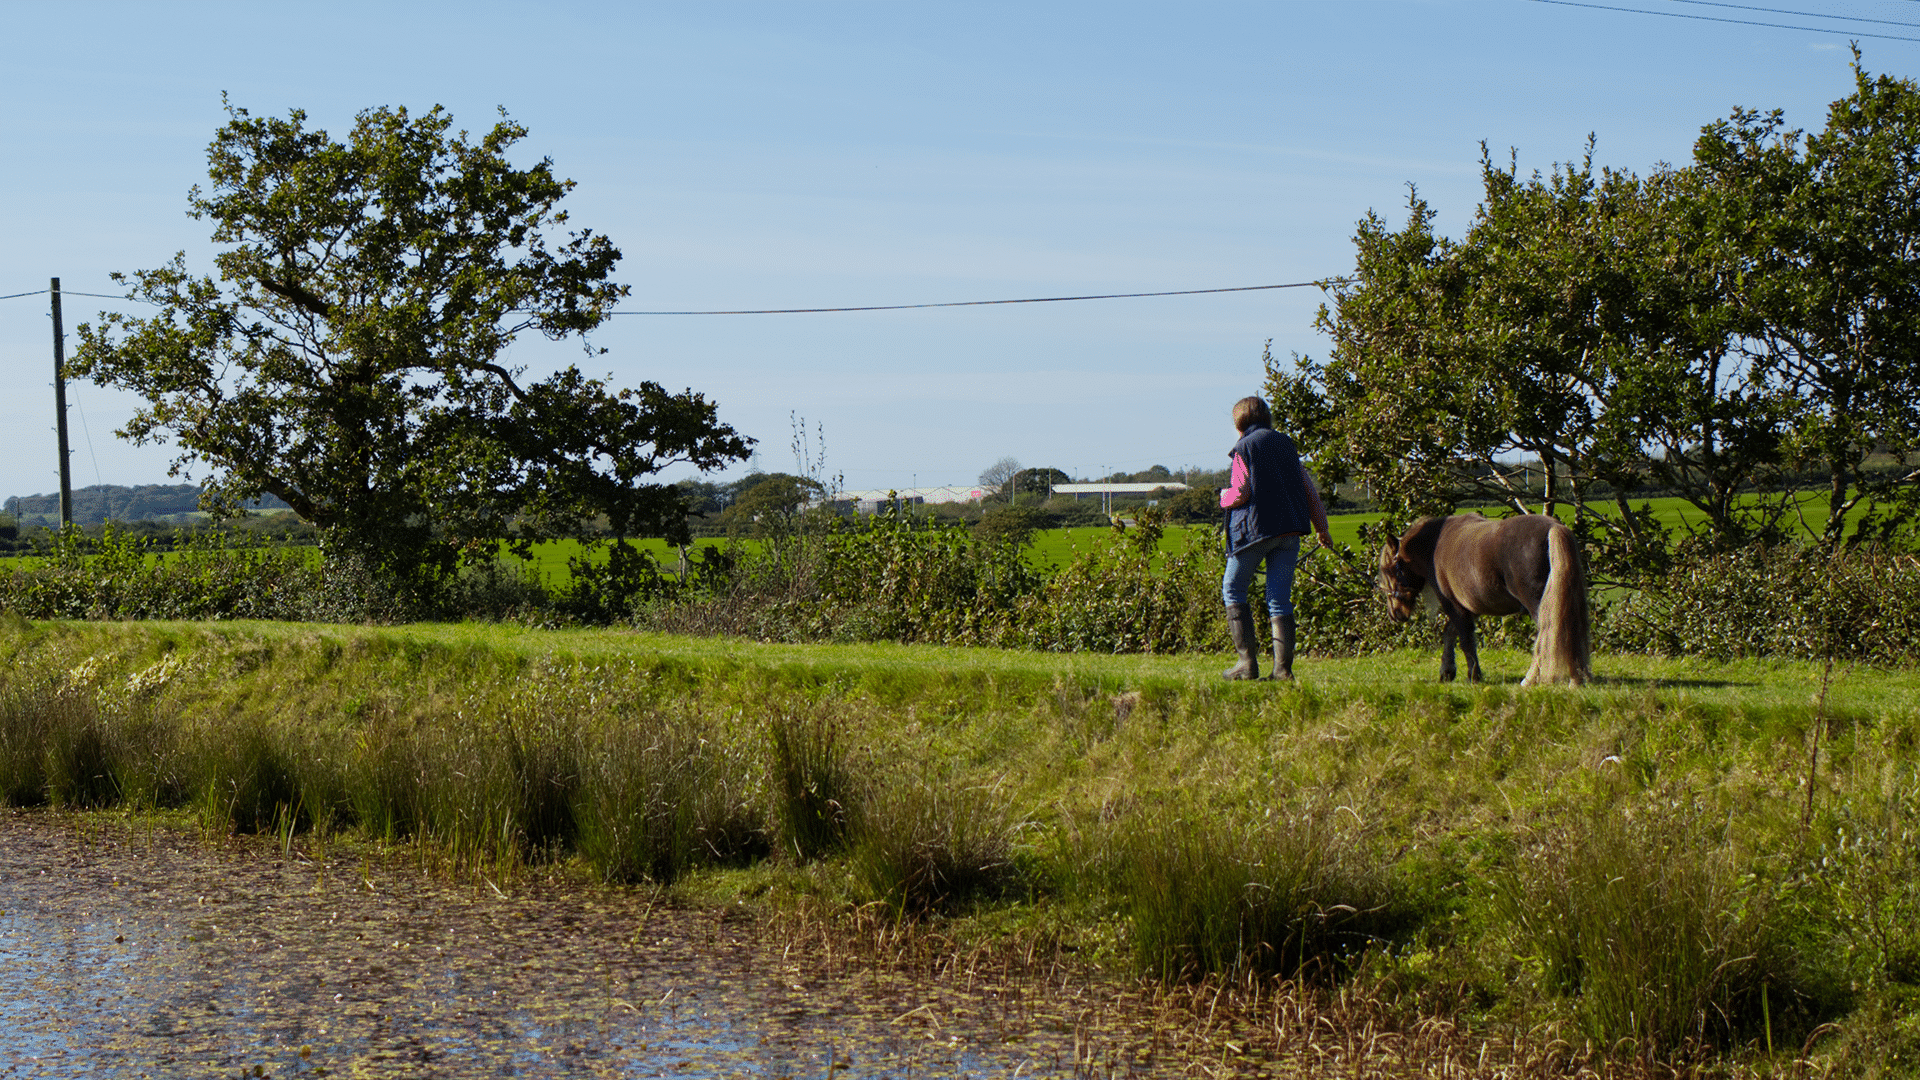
[1399, 581]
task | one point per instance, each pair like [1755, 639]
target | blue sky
[797, 155]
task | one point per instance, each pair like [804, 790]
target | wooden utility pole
[60, 407]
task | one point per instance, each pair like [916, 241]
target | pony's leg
[1471, 647]
[1447, 669]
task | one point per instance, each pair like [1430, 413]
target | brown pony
[1472, 566]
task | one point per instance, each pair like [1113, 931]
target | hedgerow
[904, 578]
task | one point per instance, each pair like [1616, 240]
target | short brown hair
[1250, 412]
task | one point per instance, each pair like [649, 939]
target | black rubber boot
[1283, 627]
[1240, 622]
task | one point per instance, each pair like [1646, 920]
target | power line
[982, 303]
[878, 307]
[1742, 22]
[1806, 14]
[69, 292]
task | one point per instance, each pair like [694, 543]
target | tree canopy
[348, 357]
[996, 475]
[1034, 481]
[768, 503]
[1712, 331]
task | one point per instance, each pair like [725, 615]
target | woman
[1270, 501]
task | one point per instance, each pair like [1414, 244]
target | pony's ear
[1392, 547]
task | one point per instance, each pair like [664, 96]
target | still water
[132, 953]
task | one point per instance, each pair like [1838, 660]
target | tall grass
[1631, 863]
[931, 844]
[1664, 940]
[533, 771]
[69, 738]
[1277, 893]
[51, 745]
[813, 782]
[656, 800]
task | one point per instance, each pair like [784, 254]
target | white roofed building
[873, 499]
[1077, 490]
[1108, 491]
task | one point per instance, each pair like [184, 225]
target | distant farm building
[872, 500]
[1108, 491]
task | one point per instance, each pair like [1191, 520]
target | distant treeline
[102, 502]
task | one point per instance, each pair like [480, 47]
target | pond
[130, 951]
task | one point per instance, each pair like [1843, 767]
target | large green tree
[1582, 322]
[348, 356]
[1707, 331]
[1827, 234]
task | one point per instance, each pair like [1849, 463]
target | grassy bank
[1687, 858]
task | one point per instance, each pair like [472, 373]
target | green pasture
[551, 558]
[10, 562]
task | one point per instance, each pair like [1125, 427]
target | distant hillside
[92, 505]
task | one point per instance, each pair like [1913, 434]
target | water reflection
[128, 953]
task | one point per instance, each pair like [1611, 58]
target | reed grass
[1274, 893]
[816, 797]
[934, 844]
[1651, 925]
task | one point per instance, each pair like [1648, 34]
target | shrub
[210, 575]
[1014, 525]
[1784, 600]
[904, 577]
[887, 577]
[1339, 610]
[1198, 505]
[1113, 599]
[612, 590]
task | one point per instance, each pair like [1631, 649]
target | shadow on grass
[1675, 684]
[1605, 681]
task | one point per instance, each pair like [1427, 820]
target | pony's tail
[1562, 651]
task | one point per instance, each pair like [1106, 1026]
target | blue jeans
[1279, 553]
